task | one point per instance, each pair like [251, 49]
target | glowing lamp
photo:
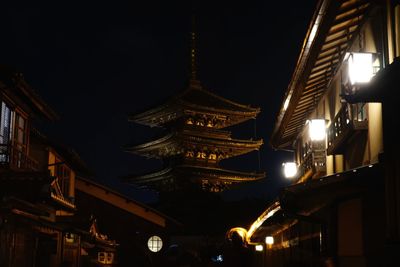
[317, 129]
[360, 67]
[259, 248]
[154, 243]
[269, 240]
[289, 169]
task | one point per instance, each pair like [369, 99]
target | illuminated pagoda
[196, 141]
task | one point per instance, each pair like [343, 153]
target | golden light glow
[259, 247]
[289, 169]
[241, 231]
[313, 32]
[317, 129]
[155, 243]
[261, 219]
[360, 67]
[269, 240]
[286, 104]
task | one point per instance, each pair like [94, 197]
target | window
[61, 171]
[105, 257]
[212, 156]
[20, 136]
[155, 243]
[5, 131]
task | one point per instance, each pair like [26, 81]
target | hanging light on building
[317, 129]
[360, 67]
[259, 247]
[269, 240]
[289, 169]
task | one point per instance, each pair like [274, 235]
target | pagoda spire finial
[193, 70]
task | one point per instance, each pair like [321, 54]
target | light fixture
[259, 247]
[269, 240]
[360, 67]
[155, 243]
[317, 129]
[289, 169]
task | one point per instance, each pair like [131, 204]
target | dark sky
[96, 63]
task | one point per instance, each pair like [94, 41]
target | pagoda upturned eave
[221, 174]
[176, 143]
[149, 178]
[194, 172]
[195, 100]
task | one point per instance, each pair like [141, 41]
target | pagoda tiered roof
[197, 100]
[175, 143]
[199, 174]
[195, 144]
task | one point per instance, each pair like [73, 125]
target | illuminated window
[70, 238]
[105, 257]
[101, 257]
[189, 154]
[61, 171]
[201, 155]
[189, 121]
[155, 243]
[212, 156]
[200, 123]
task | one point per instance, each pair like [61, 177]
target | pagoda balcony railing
[16, 159]
[350, 120]
[313, 163]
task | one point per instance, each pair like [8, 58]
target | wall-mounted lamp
[289, 169]
[317, 129]
[259, 247]
[269, 240]
[360, 67]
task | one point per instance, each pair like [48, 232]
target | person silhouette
[236, 253]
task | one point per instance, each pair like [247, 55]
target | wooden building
[338, 117]
[51, 214]
[31, 196]
[129, 222]
[195, 142]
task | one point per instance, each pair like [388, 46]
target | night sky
[96, 63]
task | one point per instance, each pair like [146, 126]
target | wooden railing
[313, 161]
[350, 119]
[14, 158]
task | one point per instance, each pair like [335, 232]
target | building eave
[119, 200]
[176, 107]
[175, 143]
[317, 64]
[221, 174]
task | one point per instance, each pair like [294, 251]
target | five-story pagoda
[195, 142]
